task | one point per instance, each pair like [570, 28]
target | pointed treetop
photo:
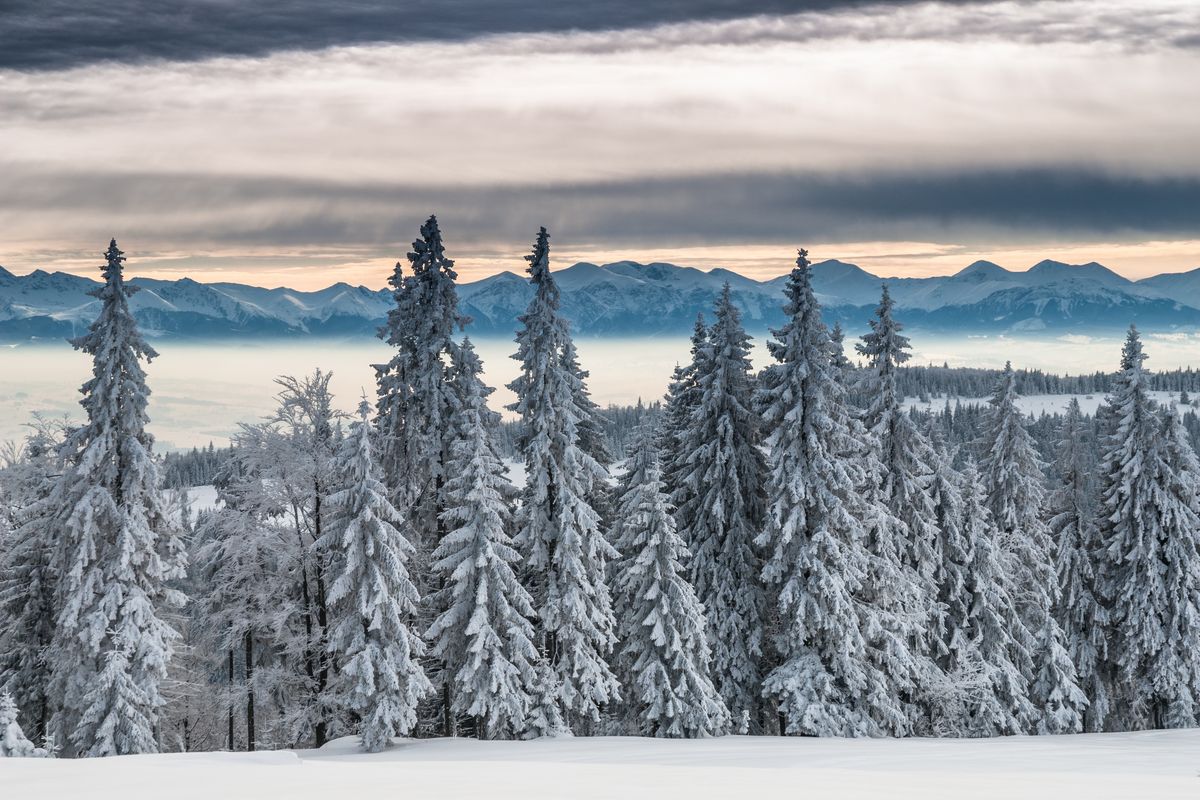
[1132, 355]
[113, 257]
[802, 261]
[429, 250]
[539, 259]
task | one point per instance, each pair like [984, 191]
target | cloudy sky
[303, 144]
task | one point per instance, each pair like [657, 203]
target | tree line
[787, 551]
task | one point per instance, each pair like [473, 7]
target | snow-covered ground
[204, 498]
[1158, 764]
[1038, 404]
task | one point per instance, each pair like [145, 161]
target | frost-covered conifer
[415, 399]
[114, 720]
[1012, 476]
[483, 635]
[559, 530]
[546, 709]
[118, 550]
[989, 653]
[13, 742]
[906, 466]
[1149, 564]
[843, 668]
[665, 650]
[27, 578]
[373, 601]
[837, 342]
[905, 453]
[722, 503]
[682, 399]
[1082, 615]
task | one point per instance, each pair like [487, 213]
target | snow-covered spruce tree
[484, 635]
[13, 742]
[27, 580]
[1148, 565]
[372, 601]
[559, 531]
[843, 669]
[722, 503]
[907, 460]
[681, 401]
[415, 399]
[1012, 476]
[988, 651]
[665, 651]
[1080, 612]
[415, 405]
[118, 550]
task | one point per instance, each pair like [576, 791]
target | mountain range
[628, 298]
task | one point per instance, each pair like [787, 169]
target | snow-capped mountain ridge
[627, 298]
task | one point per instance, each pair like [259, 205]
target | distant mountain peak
[1091, 270]
[984, 268]
[834, 264]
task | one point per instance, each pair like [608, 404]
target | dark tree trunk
[229, 741]
[250, 737]
[447, 716]
[321, 730]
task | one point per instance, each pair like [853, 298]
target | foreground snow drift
[1158, 764]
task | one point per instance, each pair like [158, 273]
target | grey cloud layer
[223, 211]
[57, 34]
[1001, 121]
[51, 34]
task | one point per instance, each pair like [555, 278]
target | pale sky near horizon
[303, 144]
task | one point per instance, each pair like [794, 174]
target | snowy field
[1038, 404]
[1150, 764]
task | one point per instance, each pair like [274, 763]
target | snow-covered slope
[630, 298]
[1158, 764]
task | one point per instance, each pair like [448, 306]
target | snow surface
[204, 498]
[1038, 404]
[1159, 764]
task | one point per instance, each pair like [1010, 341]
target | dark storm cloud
[52, 34]
[1029, 205]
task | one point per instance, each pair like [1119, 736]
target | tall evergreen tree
[373, 601]
[1149, 562]
[118, 550]
[559, 529]
[662, 622]
[416, 404]
[842, 669]
[484, 635]
[415, 399]
[1080, 612]
[723, 505]
[907, 460]
[1012, 474]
